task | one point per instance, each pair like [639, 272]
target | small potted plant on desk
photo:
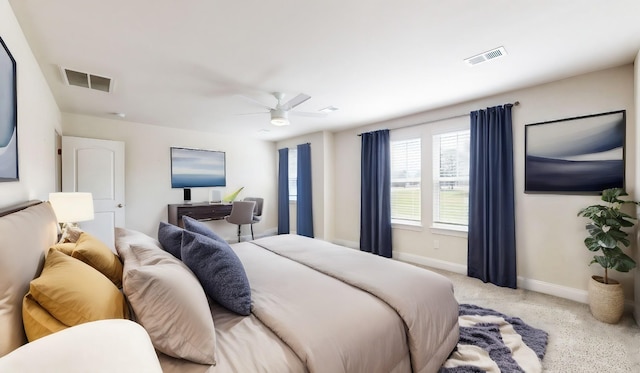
[606, 298]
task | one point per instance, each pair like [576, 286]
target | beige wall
[550, 254]
[250, 164]
[38, 120]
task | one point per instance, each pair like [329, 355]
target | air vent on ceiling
[486, 56]
[86, 80]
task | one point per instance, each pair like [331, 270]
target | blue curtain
[304, 206]
[492, 238]
[375, 194]
[283, 191]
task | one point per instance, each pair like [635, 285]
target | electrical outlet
[436, 244]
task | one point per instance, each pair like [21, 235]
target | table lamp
[71, 208]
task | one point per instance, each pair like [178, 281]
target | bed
[314, 306]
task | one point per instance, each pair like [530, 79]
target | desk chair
[257, 211]
[241, 213]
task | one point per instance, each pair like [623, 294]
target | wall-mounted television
[193, 168]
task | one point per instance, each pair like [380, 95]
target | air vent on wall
[86, 80]
[486, 56]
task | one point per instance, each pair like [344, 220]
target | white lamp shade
[72, 207]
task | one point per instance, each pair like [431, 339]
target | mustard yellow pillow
[66, 247]
[37, 321]
[96, 254]
[74, 293]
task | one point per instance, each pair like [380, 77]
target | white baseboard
[247, 237]
[524, 283]
[429, 262]
[351, 244]
[553, 289]
[268, 232]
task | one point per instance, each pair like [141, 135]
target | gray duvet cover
[320, 307]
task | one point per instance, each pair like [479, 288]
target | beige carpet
[577, 341]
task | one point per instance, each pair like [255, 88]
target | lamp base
[70, 232]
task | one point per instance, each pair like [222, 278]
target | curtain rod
[295, 146]
[516, 103]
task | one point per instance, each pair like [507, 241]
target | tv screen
[192, 168]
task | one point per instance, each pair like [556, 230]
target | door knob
[120, 205]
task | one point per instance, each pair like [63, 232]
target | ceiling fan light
[279, 121]
[279, 117]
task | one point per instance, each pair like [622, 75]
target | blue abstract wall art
[192, 168]
[581, 155]
[8, 116]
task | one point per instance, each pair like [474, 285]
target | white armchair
[99, 346]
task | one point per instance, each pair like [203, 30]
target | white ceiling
[186, 63]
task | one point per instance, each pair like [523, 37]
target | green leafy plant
[232, 196]
[606, 234]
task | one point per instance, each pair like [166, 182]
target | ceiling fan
[280, 112]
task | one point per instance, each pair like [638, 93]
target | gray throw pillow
[170, 238]
[192, 225]
[219, 271]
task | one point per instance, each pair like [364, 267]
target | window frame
[443, 228]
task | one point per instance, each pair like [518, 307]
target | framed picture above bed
[580, 155]
[8, 116]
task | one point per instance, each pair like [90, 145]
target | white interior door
[96, 166]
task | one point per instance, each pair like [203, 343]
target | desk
[198, 211]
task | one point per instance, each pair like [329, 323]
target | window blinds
[293, 174]
[406, 180]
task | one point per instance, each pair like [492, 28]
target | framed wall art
[580, 155]
[8, 116]
[193, 168]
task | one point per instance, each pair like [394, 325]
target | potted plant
[606, 298]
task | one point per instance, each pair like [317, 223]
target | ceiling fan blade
[254, 101]
[295, 101]
[308, 114]
[259, 112]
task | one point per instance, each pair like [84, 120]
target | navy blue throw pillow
[170, 238]
[219, 271]
[192, 225]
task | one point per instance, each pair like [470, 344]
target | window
[293, 174]
[405, 180]
[451, 178]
